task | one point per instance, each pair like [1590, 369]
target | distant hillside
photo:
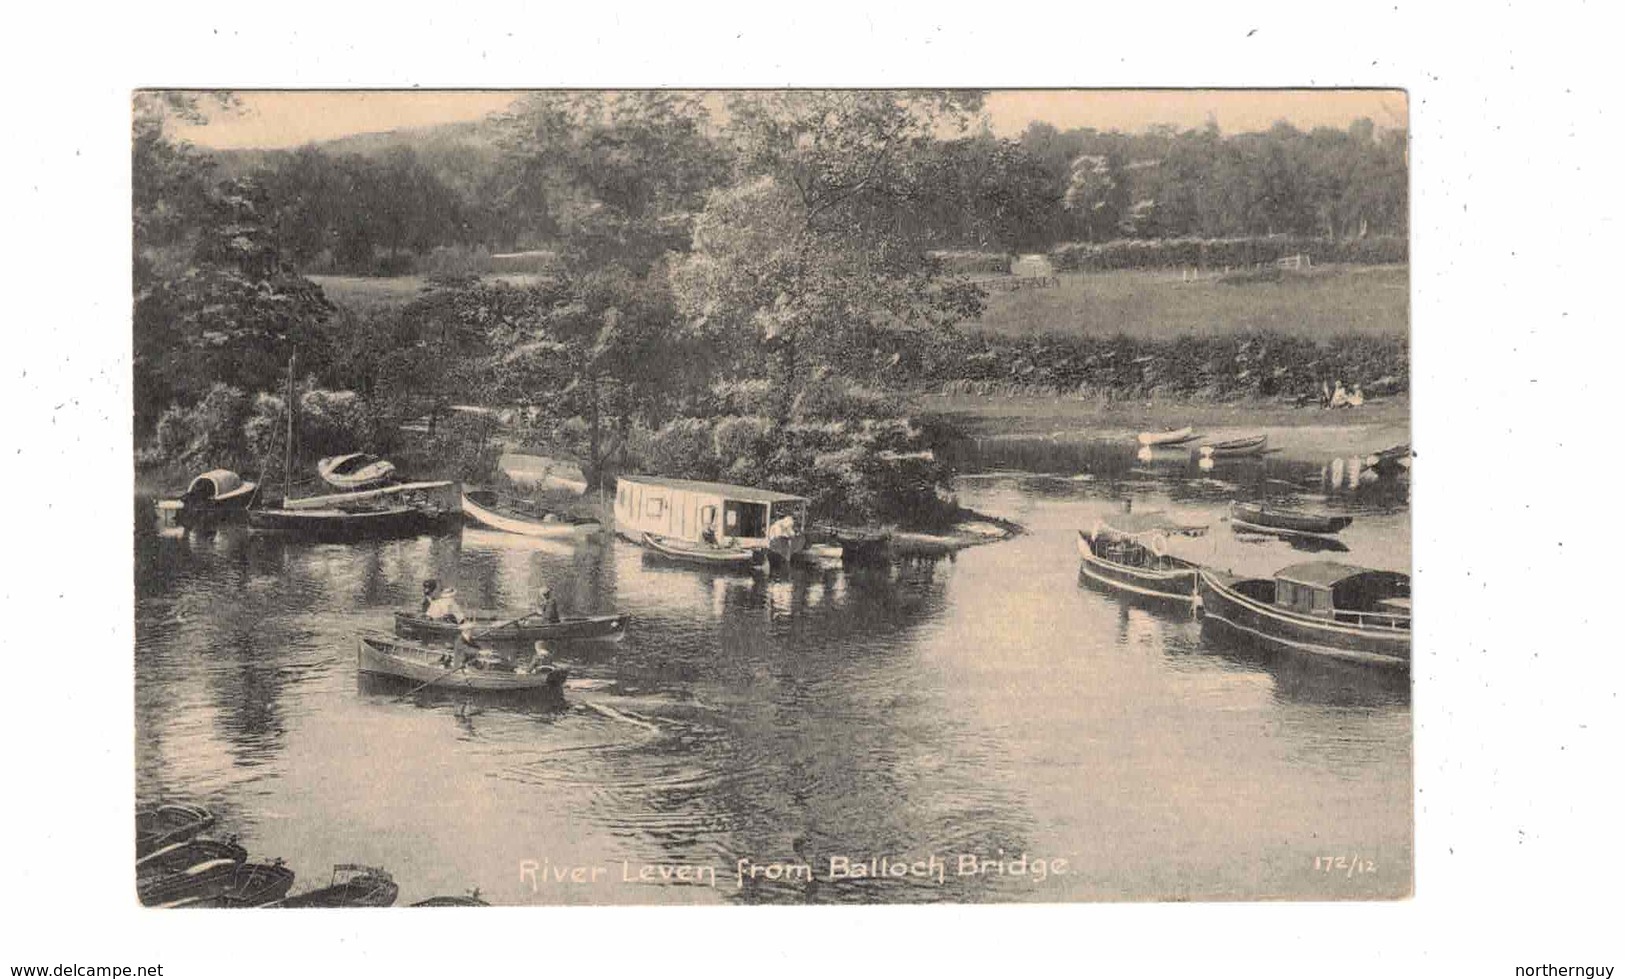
[461, 154]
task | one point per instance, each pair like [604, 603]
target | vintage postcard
[771, 496]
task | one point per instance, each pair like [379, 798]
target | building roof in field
[746, 494]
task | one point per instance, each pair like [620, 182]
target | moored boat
[355, 470]
[860, 546]
[513, 627]
[1236, 448]
[384, 655]
[705, 555]
[379, 522]
[700, 519]
[1323, 608]
[1170, 437]
[1391, 459]
[178, 858]
[221, 884]
[353, 886]
[469, 900]
[486, 508]
[218, 494]
[1269, 519]
[1126, 552]
[160, 826]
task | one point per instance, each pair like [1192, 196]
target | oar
[503, 625]
[432, 679]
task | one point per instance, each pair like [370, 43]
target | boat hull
[489, 516]
[1225, 608]
[1178, 436]
[1288, 521]
[702, 555]
[178, 858]
[385, 656]
[346, 525]
[1175, 585]
[1236, 448]
[164, 825]
[244, 885]
[373, 474]
[357, 892]
[412, 625]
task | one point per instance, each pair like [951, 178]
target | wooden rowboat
[1268, 519]
[353, 886]
[377, 523]
[383, 655]
[1252, 445]
[221, 885]
[160, 826]
[469, 900]
[705, 555]
[355, 470]
[511, 627]
[515, 517]
[860, 546]
[1172, 436]
[178, 858]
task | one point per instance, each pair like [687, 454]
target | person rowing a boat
[546, 605]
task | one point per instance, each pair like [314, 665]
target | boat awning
[1139, 524]
[1322, 574]
[222, 481]
[744, 494]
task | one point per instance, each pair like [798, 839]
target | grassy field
[370, 293]
[1324, 303]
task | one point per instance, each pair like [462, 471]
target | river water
[940, 715]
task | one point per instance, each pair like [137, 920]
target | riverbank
[1309, 433]
[969, 530]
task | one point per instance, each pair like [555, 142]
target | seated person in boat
[785, 526]
[444, 608]
[546, 605]
[430, 587]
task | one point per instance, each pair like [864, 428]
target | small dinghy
[861, 546]
[1260, 518]
[522, 517]
[1172, 436]
[353, 886]
[355, 470]
[1252, 445]
[179, 858]
[160, 826]
[222, 885]
[383, 655]
[509, 627]
[705, 555]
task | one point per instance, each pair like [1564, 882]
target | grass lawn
[1320, 304]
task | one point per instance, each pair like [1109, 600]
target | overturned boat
[355, 470]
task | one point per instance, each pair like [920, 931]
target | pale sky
[284, 119]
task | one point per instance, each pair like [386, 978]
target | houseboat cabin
[685, 509]
[1345, 593]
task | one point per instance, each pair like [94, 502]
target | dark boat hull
[334, 525]
[163, 825]
[384, 656]
[245, 885]
[178, 858]
[1252, 619]
[1289, 521]
[1178, 584]
[411, 625]
[859, 547]
[360, 892]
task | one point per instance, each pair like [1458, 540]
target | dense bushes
[1220, 253]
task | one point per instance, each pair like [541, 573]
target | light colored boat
[1252, 445]
[1173, 436]
[488, 509]
[384, 655]
[355, 470]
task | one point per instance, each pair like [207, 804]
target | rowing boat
[383, 655]
[353, 886]
[221, 884]
[470, 900]
[860, 546]
[355, 470]
[1268, 519]
[705, 555]
[160, 826]
[1172, 436]
[376, 523]
[517, 517]
[1126, 552]
[178, 858]
[1251, 445]
[1322, 608]
[520, 628]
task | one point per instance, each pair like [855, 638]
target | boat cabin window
[745, 519]
[1303, 598]
[621, 494]
[654, 506]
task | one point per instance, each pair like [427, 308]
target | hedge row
[1220, 253]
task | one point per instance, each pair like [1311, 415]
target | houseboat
[714, 514]
[1321, 607]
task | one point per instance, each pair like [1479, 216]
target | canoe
[1320, 608]
[354, 470]
[1236, 448]
[160, 826]
[353, 886]
[370, 524]
[489, 510]
[416, 625]
[1125, 553]
[1258, 516]
[383, 655]
[178, 858]
[1172, 436]
[221, 885]
[706, 555]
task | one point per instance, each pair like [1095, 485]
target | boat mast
[287, 458]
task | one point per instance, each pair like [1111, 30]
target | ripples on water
[988, 704]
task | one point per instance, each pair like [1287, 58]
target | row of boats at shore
[177, 867]
[1323, 608]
